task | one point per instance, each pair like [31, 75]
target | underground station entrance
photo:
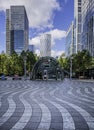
[47, 68]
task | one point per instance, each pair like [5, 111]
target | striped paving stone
[46, 105]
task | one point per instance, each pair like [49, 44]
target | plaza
[47, 105]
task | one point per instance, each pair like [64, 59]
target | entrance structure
[47, 68]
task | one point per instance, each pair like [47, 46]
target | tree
[92, 62]
[14, 64]
[31, 59]
[3, 59]
[64, 62]
[81, 61]
[8, 65]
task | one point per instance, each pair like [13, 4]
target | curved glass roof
[48, 64]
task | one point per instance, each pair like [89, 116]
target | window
[79, 9]
[79, 0]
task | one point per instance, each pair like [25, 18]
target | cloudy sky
[45, 16]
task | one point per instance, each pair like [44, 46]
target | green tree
[16, 64]
[81, 61]
[31, 59]
[92, 62]
[64, 62]
[3, 59]
[8, 65]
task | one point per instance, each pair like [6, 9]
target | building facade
[45, 45]
[17, 29]
[70, 48]
[8, 40]
[88, 26]
[78, 24]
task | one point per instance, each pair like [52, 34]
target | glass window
[18, 40]
[79, 9]
[79, 0]
[79, 38]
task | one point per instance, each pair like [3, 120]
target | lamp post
[71, 67]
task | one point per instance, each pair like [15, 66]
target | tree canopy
[80, 61]
[14, 64]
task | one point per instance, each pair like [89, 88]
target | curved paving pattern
[46, 105]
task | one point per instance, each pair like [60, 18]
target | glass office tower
[16, 29]
[45, 45]
[78, 24]
[88, 25]
[70, 48]
[8, 45]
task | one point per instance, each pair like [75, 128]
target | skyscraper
[45, 45]
[78, 24]
[16, 29]
[88, 26]
[70, 41]
[8, 40]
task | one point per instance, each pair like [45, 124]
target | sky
[45, 16]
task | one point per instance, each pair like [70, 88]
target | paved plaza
[46, 105]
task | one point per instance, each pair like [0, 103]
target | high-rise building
[8, 40]
[45, 45]
[70, 41]
[17, 28]
[31, 48]
[88, 26]
[77, 23]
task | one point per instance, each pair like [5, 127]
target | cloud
[56, 53]
[55, 33]
[40, 12]
[37, 52]
[35, 41]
